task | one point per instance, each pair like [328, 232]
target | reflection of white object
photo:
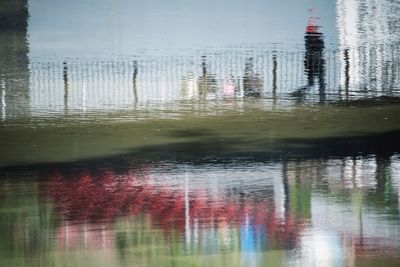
[321, 248]
[228, 88]
[3, 101]
[366, 32]
[347, 20]
[84, 97]
[189, 87]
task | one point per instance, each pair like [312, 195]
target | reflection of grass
[66, 139]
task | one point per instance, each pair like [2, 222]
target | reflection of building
[369, 45]
[14, 74]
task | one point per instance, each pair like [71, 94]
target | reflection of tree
[297, 191]
[384, 194]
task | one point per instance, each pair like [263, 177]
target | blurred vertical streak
[14, 72]
[65, 79]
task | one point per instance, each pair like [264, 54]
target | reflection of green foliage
[385, 198]
[389, 194]
[26, 224]
[300, 195]
[141, 244]
[300, 202]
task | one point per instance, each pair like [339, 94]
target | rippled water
[236, 212]
[240, 133]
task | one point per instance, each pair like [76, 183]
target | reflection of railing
[83, 85]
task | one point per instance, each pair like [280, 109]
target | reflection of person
[66, 86]
[134, 80]
[252, 82]
[314, 61]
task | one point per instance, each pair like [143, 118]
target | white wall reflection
[369, 45]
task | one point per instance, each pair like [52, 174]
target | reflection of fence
[81, 85]
[100, 84]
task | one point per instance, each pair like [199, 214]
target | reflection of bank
[368, 46]
[14, 74]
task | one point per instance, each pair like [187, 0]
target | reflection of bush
[104, 197]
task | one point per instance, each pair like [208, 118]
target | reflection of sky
[126, 27]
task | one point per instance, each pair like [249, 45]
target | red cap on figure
[312, 26]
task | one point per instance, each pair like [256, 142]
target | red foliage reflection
[85, 197]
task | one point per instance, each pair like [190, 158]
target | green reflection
[34, 230]
[27, 224]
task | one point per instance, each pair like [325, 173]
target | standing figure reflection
[314, 62]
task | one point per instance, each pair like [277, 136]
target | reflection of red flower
[94, 198]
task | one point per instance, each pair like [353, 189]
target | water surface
[209, 133]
